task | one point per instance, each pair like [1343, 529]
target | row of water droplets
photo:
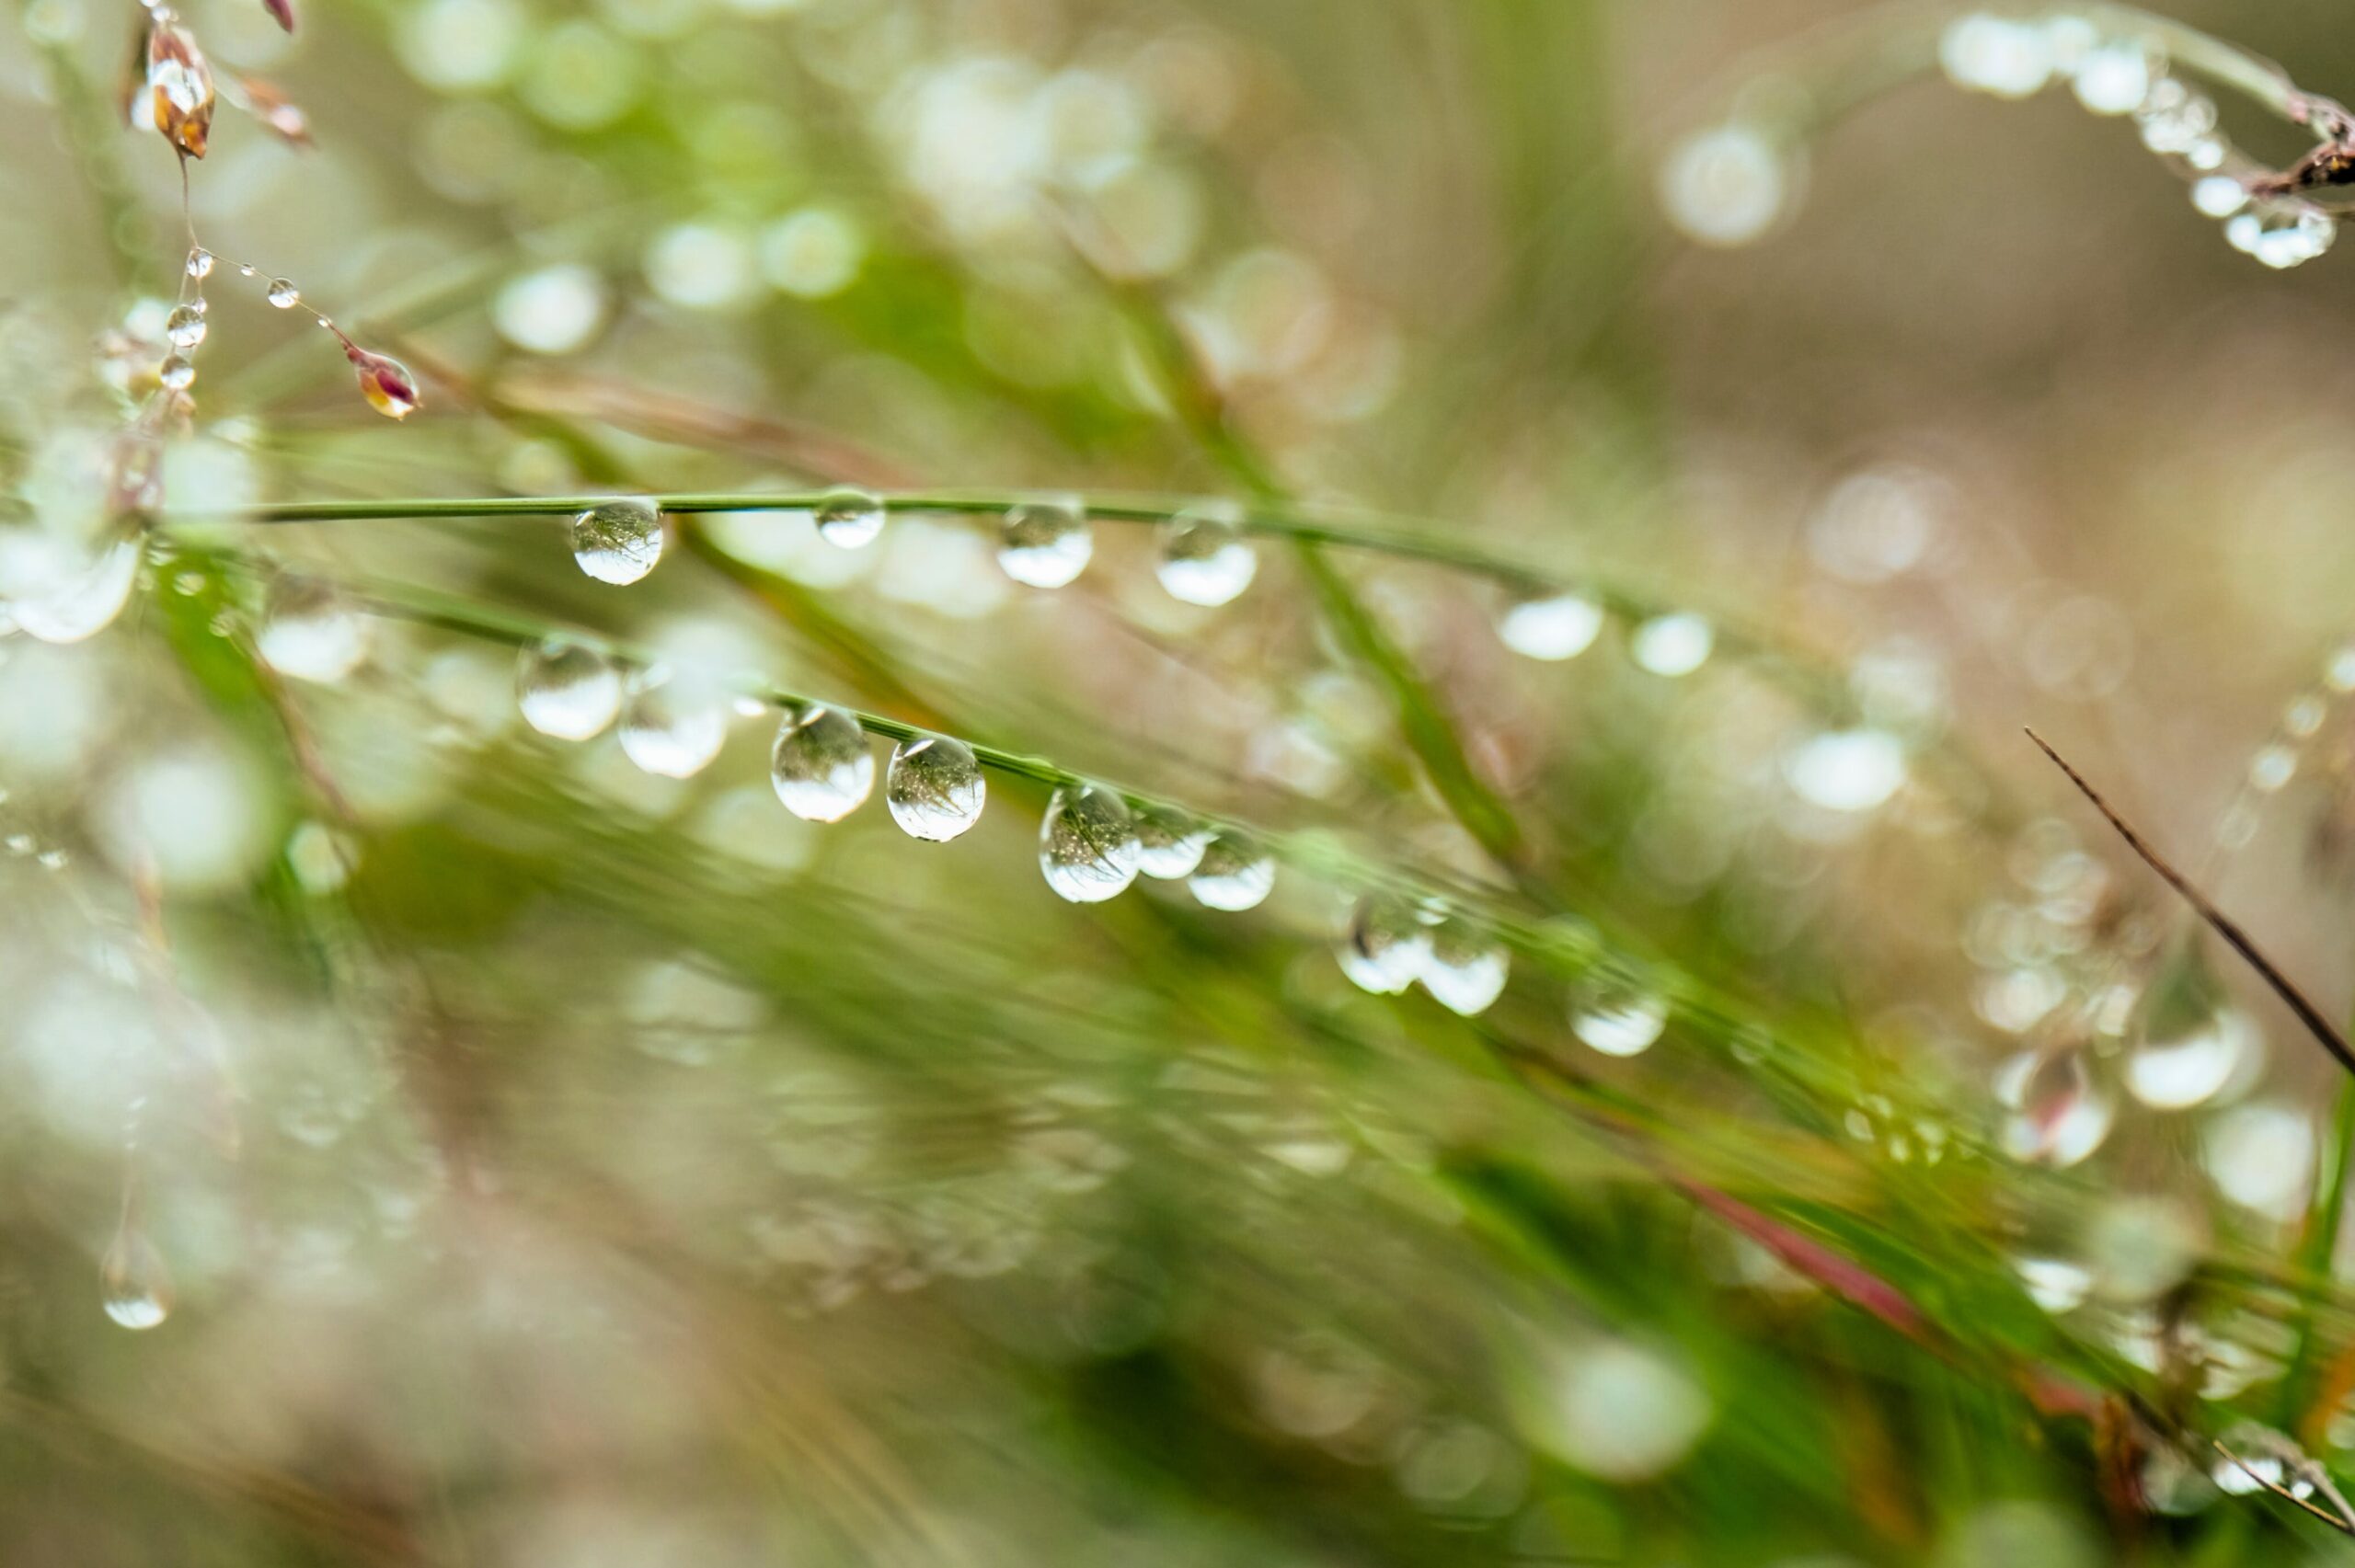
[1046, 543]
[1394, 941]
[2016, 57]
[187, 327]
[1095, 841]
[1205, 559]
[383, 382]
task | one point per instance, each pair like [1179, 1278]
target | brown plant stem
[2223, 925]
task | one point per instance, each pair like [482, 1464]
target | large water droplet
[308, 632]
[1045, 543]
[1464, 969]
[1386, 944]
[822, 766]
[133, 1283]
[285, 294]
[76, 605]
[1088, 844]
[1169, 842]
[618, 541]
[567, 689]
[1205, 559]
[1556, 628]
[178, 372]
[849, 518]
[199, 264]
[1613, 1014]
[670, 727]
[185, 327]
[935, 787]
[2190, 1063]
[1235, 873]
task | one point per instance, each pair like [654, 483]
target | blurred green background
[427, 1140]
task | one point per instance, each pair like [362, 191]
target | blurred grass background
[533, 1161]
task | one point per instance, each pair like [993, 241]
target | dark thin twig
[2308, 1013]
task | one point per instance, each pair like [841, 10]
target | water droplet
[1556, 628]
[2187, 1063]
[1088, 844]
[2218, 196]
[822, 766]
[567, 689]
[1728, 185]
[384, 382]
[245, 268]
[185, 327]
[2113, 79]
[1614, 1015]
[1464, 969]
[849, 518]
[2057, 1284]
[1847, 770]
[2283, 236]
[2173, 119]
[308, 632]
[199, 264]
[2272, 767]
[1205, 560]
[285, 294]
[934, 788]
[669, 727]
[77, 605]
[619, 541]
[178, 372]
[1386, 944]
[2059, 1115]
[2011, 59]
[133, 1284]
[1235, 873]
[1169, 842]
[1673, 644]
[1045, 543]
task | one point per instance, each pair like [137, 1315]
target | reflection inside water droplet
[1205, 560]
[821, 765]
[934, 788]
[186, 327]
[1234, 873]
[619, 541]
[1045, 543]
[1169, 842]
[849, 518]
[1088, 844]
[1386, 944]
[1464, 969]
[1616, 1016]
